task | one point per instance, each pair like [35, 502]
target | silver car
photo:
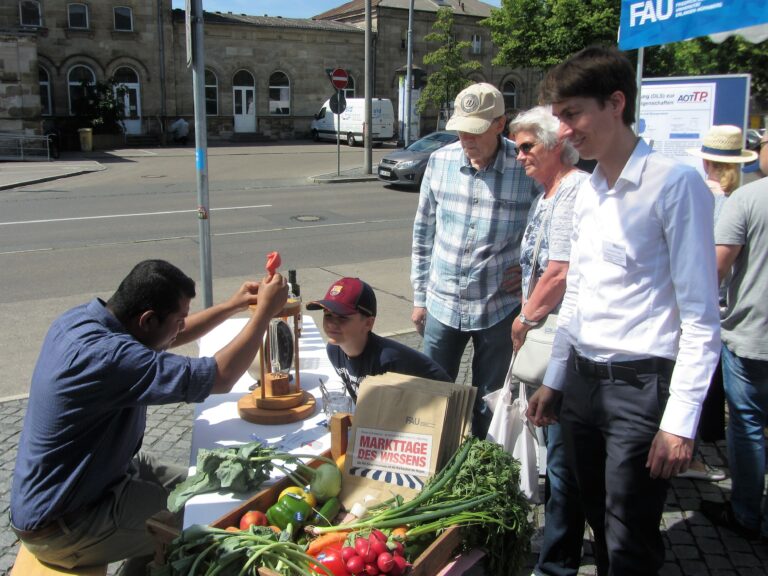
[405, 167]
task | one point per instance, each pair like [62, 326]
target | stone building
[265, 77]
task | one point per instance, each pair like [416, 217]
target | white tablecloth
[217, 423]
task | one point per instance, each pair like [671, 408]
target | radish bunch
[373, 555]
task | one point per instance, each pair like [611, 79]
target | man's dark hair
[152, 285]
[594, 72]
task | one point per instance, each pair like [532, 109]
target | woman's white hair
[541, 122]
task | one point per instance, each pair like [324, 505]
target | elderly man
[472, 212]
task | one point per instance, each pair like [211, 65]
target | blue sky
[286, 8]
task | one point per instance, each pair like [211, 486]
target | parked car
[406, 166]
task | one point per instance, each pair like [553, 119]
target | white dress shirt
[642, 279]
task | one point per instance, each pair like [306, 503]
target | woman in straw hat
[723, 155]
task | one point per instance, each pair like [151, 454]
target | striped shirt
[467, 232]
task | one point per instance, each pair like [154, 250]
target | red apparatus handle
[273, 262]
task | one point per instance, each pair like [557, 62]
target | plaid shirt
[467, 232]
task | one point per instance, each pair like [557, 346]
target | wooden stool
[27, 565]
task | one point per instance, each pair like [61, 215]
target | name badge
[615, 253]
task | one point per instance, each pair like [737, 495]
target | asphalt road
[65, 241]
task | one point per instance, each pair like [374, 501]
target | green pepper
[290, 509]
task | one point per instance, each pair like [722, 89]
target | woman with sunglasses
[550, 161]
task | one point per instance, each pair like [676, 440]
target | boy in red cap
[353, 349]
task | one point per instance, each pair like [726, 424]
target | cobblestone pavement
[694, 546]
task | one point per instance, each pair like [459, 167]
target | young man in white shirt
[639, 333]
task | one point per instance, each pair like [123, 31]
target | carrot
[399, 532]
[321, 542]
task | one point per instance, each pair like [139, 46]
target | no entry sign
[339, 78]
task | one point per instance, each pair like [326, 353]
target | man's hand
[512, 279]
[519, 330]
[245, 296]
[669, 455]
[541, 406]
[272, 294]
[419, 319]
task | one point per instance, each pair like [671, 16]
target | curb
[340, 179]
[28, 182]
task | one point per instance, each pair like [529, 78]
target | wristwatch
[527, 322]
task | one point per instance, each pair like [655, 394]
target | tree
[451, 68]
[541, 33]
[102, 107]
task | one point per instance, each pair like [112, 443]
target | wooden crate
[437, 555]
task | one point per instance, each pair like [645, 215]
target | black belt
[50, 529]
[625, 370]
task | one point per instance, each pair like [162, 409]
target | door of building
[244, 102]
[127, 79]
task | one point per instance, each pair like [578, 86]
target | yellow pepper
[303, 493]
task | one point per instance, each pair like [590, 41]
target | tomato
[253, 518]
[273, 262]
[385, 561]
[334, 562]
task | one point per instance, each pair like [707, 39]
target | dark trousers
[609, 423]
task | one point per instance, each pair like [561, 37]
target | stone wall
[19, 88]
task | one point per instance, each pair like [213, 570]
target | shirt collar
[630, 175]
[98, 309]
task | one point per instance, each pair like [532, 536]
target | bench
[27, 565]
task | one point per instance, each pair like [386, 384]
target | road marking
[108, 216]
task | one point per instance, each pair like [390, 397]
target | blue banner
[653, 22]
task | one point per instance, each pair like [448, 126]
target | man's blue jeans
[560, 553]
[746, 389]
[493, 353]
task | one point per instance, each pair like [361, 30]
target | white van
[324, 126]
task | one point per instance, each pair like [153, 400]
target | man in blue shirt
[82, 490]
[473, 208]
[354, 350]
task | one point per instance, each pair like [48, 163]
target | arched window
[125, 75]
[349, 91]
[279, 93]
[79, 79]
[123, 19]
[46, 108]
[30, 14]
[211, 94]
[510, 95]
[477, 44]
[78, 16]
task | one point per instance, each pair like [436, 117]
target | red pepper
[273, 262]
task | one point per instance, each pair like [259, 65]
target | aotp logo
[695, 96]
[650, 11]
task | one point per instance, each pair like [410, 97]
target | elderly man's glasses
[526, 147]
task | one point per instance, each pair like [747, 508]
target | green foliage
[702, 56]
[541, 33]
[450, 66]
[102, 107]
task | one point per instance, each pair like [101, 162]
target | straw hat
[724, 144]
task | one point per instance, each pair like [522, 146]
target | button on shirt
[467, 232]
[642, 279]
[87, 411]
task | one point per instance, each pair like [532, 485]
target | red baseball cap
[346, 297]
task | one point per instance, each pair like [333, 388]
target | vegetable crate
[429, 563]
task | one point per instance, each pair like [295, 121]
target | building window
[211, 94]
[123, 19]
[279, 93]
[477, 44]
[349, 91]
[510, 95]
[45, 92]
[29, 13]
[78, 16]
[79, 79]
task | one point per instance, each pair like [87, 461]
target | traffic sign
[338, 103]
[339, 78]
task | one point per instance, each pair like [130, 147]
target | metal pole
[639, 81]
[368, 90]
[201, 152]
[408, 78]
[338, 134]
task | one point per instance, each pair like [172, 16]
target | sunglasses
[526, 147]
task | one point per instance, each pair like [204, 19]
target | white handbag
[510, 428]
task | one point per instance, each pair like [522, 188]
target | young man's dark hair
[152, 285]
[594, 72]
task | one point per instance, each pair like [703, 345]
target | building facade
[265, 77]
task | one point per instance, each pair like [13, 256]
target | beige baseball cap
[475, 108]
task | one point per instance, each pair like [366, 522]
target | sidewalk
[694, 546]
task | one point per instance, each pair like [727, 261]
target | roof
[468, 7]
[270, 21]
